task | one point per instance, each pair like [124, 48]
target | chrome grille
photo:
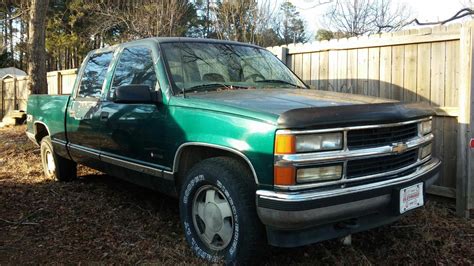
[370, 166]
[372, 137]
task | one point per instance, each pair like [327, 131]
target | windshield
[197, 66]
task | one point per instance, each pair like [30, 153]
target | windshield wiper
[207, 86]
[279, 81]
[214, 86]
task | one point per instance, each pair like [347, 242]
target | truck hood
[298, 108]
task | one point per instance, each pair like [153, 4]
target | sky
[423, 10]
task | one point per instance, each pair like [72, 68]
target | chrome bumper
[295, 210]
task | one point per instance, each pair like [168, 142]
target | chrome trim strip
[345, 180]
[134, 161]
[299, 132]
[86, 151]
[155, 171]
[59, 142]
[305, 196]
[152, 169]
[318, 157]
[240, 154]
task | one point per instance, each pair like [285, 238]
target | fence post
[2, 86]
[59, 82]
[15, 96]
[465, 155]
[280, 52]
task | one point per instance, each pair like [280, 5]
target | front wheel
[217, 207]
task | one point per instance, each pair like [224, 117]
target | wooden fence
[432, 65]
[14, 93]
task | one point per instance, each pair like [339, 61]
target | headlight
[426, 127]
[318, 174]
[290, 144]
[319, 142]
[425, 151]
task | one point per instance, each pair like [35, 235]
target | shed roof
[11, 72]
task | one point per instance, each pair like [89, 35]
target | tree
[245, 21]
[37, 83]
[360, 17]
[236, 20]
[292, 24]
[323, 34]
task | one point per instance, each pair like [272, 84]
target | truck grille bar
[358, 168]
[372, 137]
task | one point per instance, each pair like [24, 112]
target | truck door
[82, 114]
[134, 133]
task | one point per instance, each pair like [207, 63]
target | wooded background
[432, 65]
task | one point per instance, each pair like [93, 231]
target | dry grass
[101, 219]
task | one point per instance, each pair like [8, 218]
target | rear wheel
[217, 207]
[55, 166]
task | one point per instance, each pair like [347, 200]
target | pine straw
[101, 219]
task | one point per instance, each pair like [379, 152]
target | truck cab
[253, 155]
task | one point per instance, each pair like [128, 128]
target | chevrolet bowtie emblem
[399, 147]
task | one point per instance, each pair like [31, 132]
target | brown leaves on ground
[98, 218]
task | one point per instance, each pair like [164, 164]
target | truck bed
[48, 110]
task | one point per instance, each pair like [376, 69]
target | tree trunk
[37, 82]
[10, 28]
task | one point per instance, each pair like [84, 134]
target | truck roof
[172, 39]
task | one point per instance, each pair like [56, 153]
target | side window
[94, 75]
[135, 66]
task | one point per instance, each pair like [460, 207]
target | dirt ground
[102, 219]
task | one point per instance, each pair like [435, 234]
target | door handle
[104, 116]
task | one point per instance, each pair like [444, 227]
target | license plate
[411, 197]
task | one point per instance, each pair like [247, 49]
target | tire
[55, 166]
[233, 184]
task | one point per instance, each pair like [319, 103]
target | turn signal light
[285, 144]
[284, 175]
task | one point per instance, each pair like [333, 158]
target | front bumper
[300, 218]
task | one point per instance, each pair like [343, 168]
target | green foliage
[293, 28]
[323, 34]
[6, 59]
[74, 27]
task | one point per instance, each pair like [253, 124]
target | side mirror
[136, 94]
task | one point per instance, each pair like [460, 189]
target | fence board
[298, 67]
[306, 68]
[342, 70]
[362, 70]
[423, 70]
[385, 72]
[324, 70]
[452, 73]
[315, 69]
[438, 59]
[332, 72]
[352, 70]
[398, 54]
[409, 75]
[374, 71]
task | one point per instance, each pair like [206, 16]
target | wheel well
[191, 155]
[40, 132]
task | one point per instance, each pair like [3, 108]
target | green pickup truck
[253, 155]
